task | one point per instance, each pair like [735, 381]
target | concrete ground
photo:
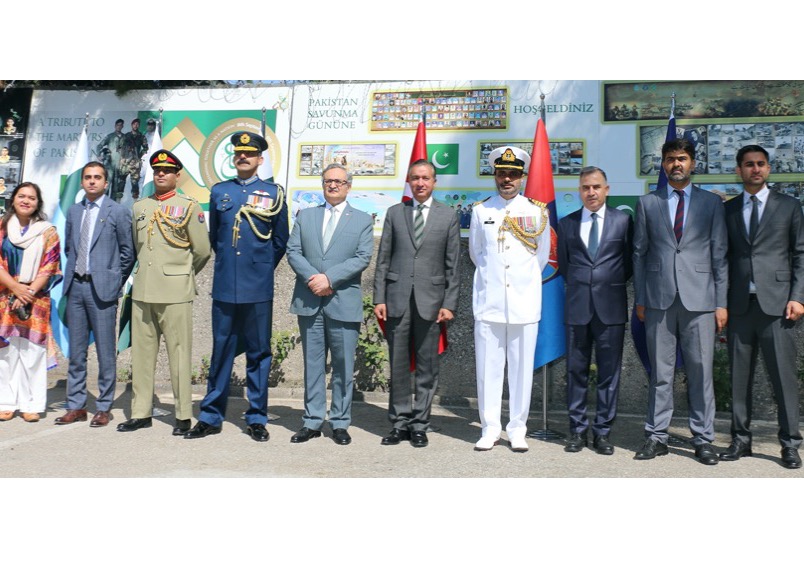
[148, 498]
[45, 450]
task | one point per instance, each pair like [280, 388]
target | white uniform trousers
[496, 343]
[23, 376]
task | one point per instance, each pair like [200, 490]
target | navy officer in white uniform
[509, 243]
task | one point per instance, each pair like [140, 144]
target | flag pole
[545, 433]
[270, 416]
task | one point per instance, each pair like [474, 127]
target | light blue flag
[70, 193]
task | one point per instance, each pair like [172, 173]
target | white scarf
[31, 242]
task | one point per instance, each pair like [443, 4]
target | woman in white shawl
[29, 268]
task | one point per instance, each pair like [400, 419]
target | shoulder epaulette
[479, 202]
[537, 203]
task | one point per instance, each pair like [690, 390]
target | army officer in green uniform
[172, 246]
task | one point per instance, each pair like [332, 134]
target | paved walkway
[44, 449]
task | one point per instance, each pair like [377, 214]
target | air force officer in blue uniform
[248, 229]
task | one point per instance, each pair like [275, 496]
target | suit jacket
[111, 252]
[696, 267]
[596, 286]
[777, 255]
[343, 262]
[431, 270]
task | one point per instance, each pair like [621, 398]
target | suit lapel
[318, 220]
[768, 213]
[693, 211]
[77, 213]
[407, 211]
[661, 201]
[342, 222]
[100, 221]
[605, 231]
[734, 208]
[432, 217]
[575, 232]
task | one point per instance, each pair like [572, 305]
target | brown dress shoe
[72, 416]
[30, 417]
[6, 415]
[101, 419]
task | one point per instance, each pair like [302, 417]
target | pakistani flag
[124, 331]
[266, 170]
[69, 195]
[148, 179]
[444, 157]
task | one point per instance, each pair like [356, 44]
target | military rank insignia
[201, 217]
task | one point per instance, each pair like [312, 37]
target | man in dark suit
[100, 255]
[766, 292]
[329, 248]
[594, 256]
[248, 229]
[415, 290]
[680, 281]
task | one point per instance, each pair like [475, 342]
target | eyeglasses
[337, 182]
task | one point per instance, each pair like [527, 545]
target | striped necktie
[418, 225]
[678, 225]
[83, 243]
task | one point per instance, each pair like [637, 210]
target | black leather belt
[85, 278]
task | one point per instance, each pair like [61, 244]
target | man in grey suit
[594, 256]
[680, 281]
[766, 292]
[100, 255]
[328, 249]
[415, 291]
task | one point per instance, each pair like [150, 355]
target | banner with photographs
[351, 123]
[635, 101]
[14, 109]
[196, 126]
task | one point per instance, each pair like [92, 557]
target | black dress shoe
[134, 424]
[706, 454]
[418, 439]
[305, 434]
[602, 446]
[182, 427]
[576, 442]
[202, 429]
[736, 450]
[790, 458]
[652, 448]
[341, 436]
[395, 437]
[258, 432]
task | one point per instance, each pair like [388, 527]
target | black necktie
[753, 224]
